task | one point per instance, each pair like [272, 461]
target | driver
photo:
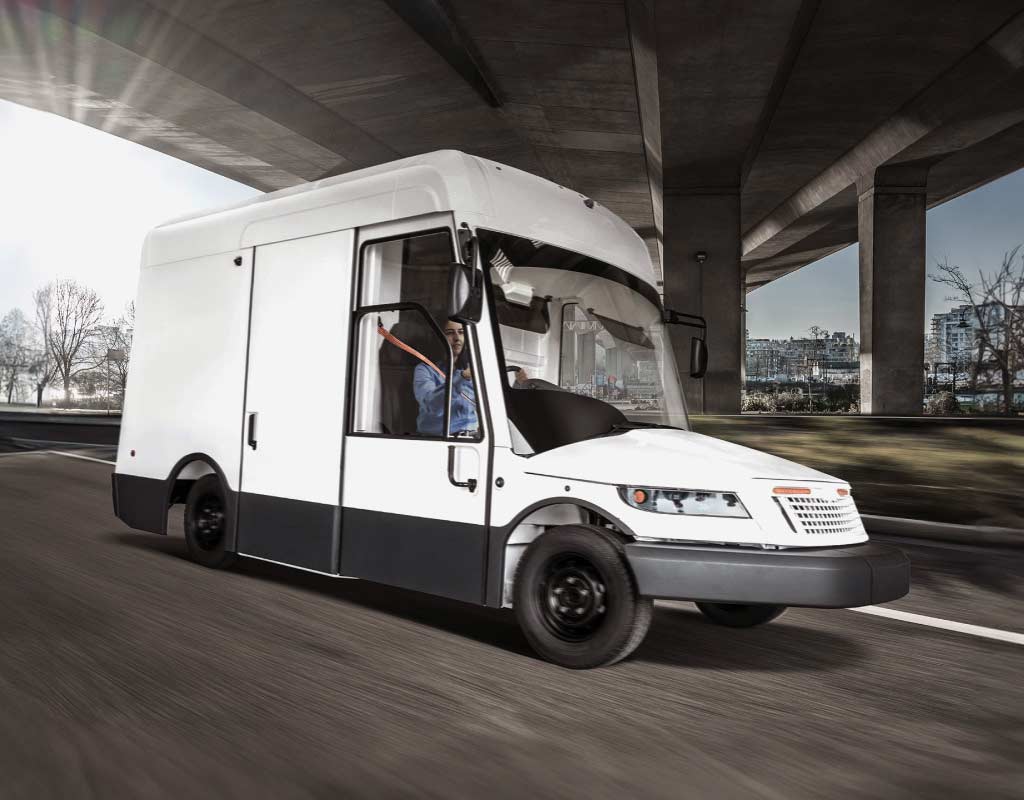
[428, 386]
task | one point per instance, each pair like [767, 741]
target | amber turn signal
[843, 492]
[639, 496]
[791, 490]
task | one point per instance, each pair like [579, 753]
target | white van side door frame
[408, 517]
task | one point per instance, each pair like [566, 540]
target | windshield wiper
[630, 425]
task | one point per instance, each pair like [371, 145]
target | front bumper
[817, 577]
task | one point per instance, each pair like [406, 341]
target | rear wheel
[735, 615]
[207, 522]
[576, 599]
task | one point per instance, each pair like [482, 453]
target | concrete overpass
[766, 135]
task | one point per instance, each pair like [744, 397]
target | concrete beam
[708, 223]
[892, 207]
[802, 22]
[951, 96]
[644, 49]
[163, 39]
[435, 23]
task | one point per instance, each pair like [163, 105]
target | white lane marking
[56, 443]
[945, 624]
[22, 453]
[84, 458]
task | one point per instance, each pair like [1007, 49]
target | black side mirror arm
[671, 317]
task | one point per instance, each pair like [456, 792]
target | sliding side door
[295, 401]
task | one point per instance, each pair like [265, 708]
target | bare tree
[119, 339]
[44, 367]
[18, 351]
[995, 303]
[819, 335]
[113, 347]
[68, 315]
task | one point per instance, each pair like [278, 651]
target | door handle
[470, 484]
[251, 437]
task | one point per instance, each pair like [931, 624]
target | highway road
[127, 670]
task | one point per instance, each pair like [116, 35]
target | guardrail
[59, 428]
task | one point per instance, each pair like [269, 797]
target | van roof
[477, 190]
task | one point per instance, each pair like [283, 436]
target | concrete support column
[707, 222]
[891, 232]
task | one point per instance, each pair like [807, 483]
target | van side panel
[298, 348]
[184, 393]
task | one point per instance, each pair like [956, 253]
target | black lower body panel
[819, 577]
[140, 503]
[429, 555]
[294, 532]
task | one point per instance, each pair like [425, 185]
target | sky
[78, 202]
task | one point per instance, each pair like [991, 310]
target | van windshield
[575, 324]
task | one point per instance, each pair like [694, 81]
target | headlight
[692, 502]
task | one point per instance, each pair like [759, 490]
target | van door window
[409, 357]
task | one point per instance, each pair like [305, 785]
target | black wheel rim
[573, 597]
[208, 522]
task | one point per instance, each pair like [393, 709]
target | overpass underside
[764, 135]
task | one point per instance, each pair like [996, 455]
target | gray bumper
[818, 577]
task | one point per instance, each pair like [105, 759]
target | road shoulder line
[944, 624]
[83, 458]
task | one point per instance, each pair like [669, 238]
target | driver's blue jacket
[428, 387]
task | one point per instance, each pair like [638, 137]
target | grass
[968, 471]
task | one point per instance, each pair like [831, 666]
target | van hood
[668, 458]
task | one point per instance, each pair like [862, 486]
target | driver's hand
[467, 374]
[521, 376]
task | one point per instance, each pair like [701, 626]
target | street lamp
[935, 374]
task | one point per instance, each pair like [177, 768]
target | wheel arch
[500, 538]
[185, 472]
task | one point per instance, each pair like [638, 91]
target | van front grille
[822, 515]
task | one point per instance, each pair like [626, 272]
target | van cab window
[409, 357]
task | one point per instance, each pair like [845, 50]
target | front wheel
[207, 522]
[576, 599]
[735, 615]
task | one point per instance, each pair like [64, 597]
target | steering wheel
[535, 383]
[512, 370]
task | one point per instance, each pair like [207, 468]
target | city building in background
[963, 353]
[828, 356]
[818, 373]
[953, 335]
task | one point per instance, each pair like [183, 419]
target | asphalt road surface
[128, 671]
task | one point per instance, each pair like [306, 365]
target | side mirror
[465, 293]
[698, 357]
[698, 348]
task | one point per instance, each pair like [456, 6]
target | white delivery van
[448, 375]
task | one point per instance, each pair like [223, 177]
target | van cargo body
[448, 375]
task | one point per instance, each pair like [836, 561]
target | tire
[735, 615]
[603, 619]
[207, 522]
